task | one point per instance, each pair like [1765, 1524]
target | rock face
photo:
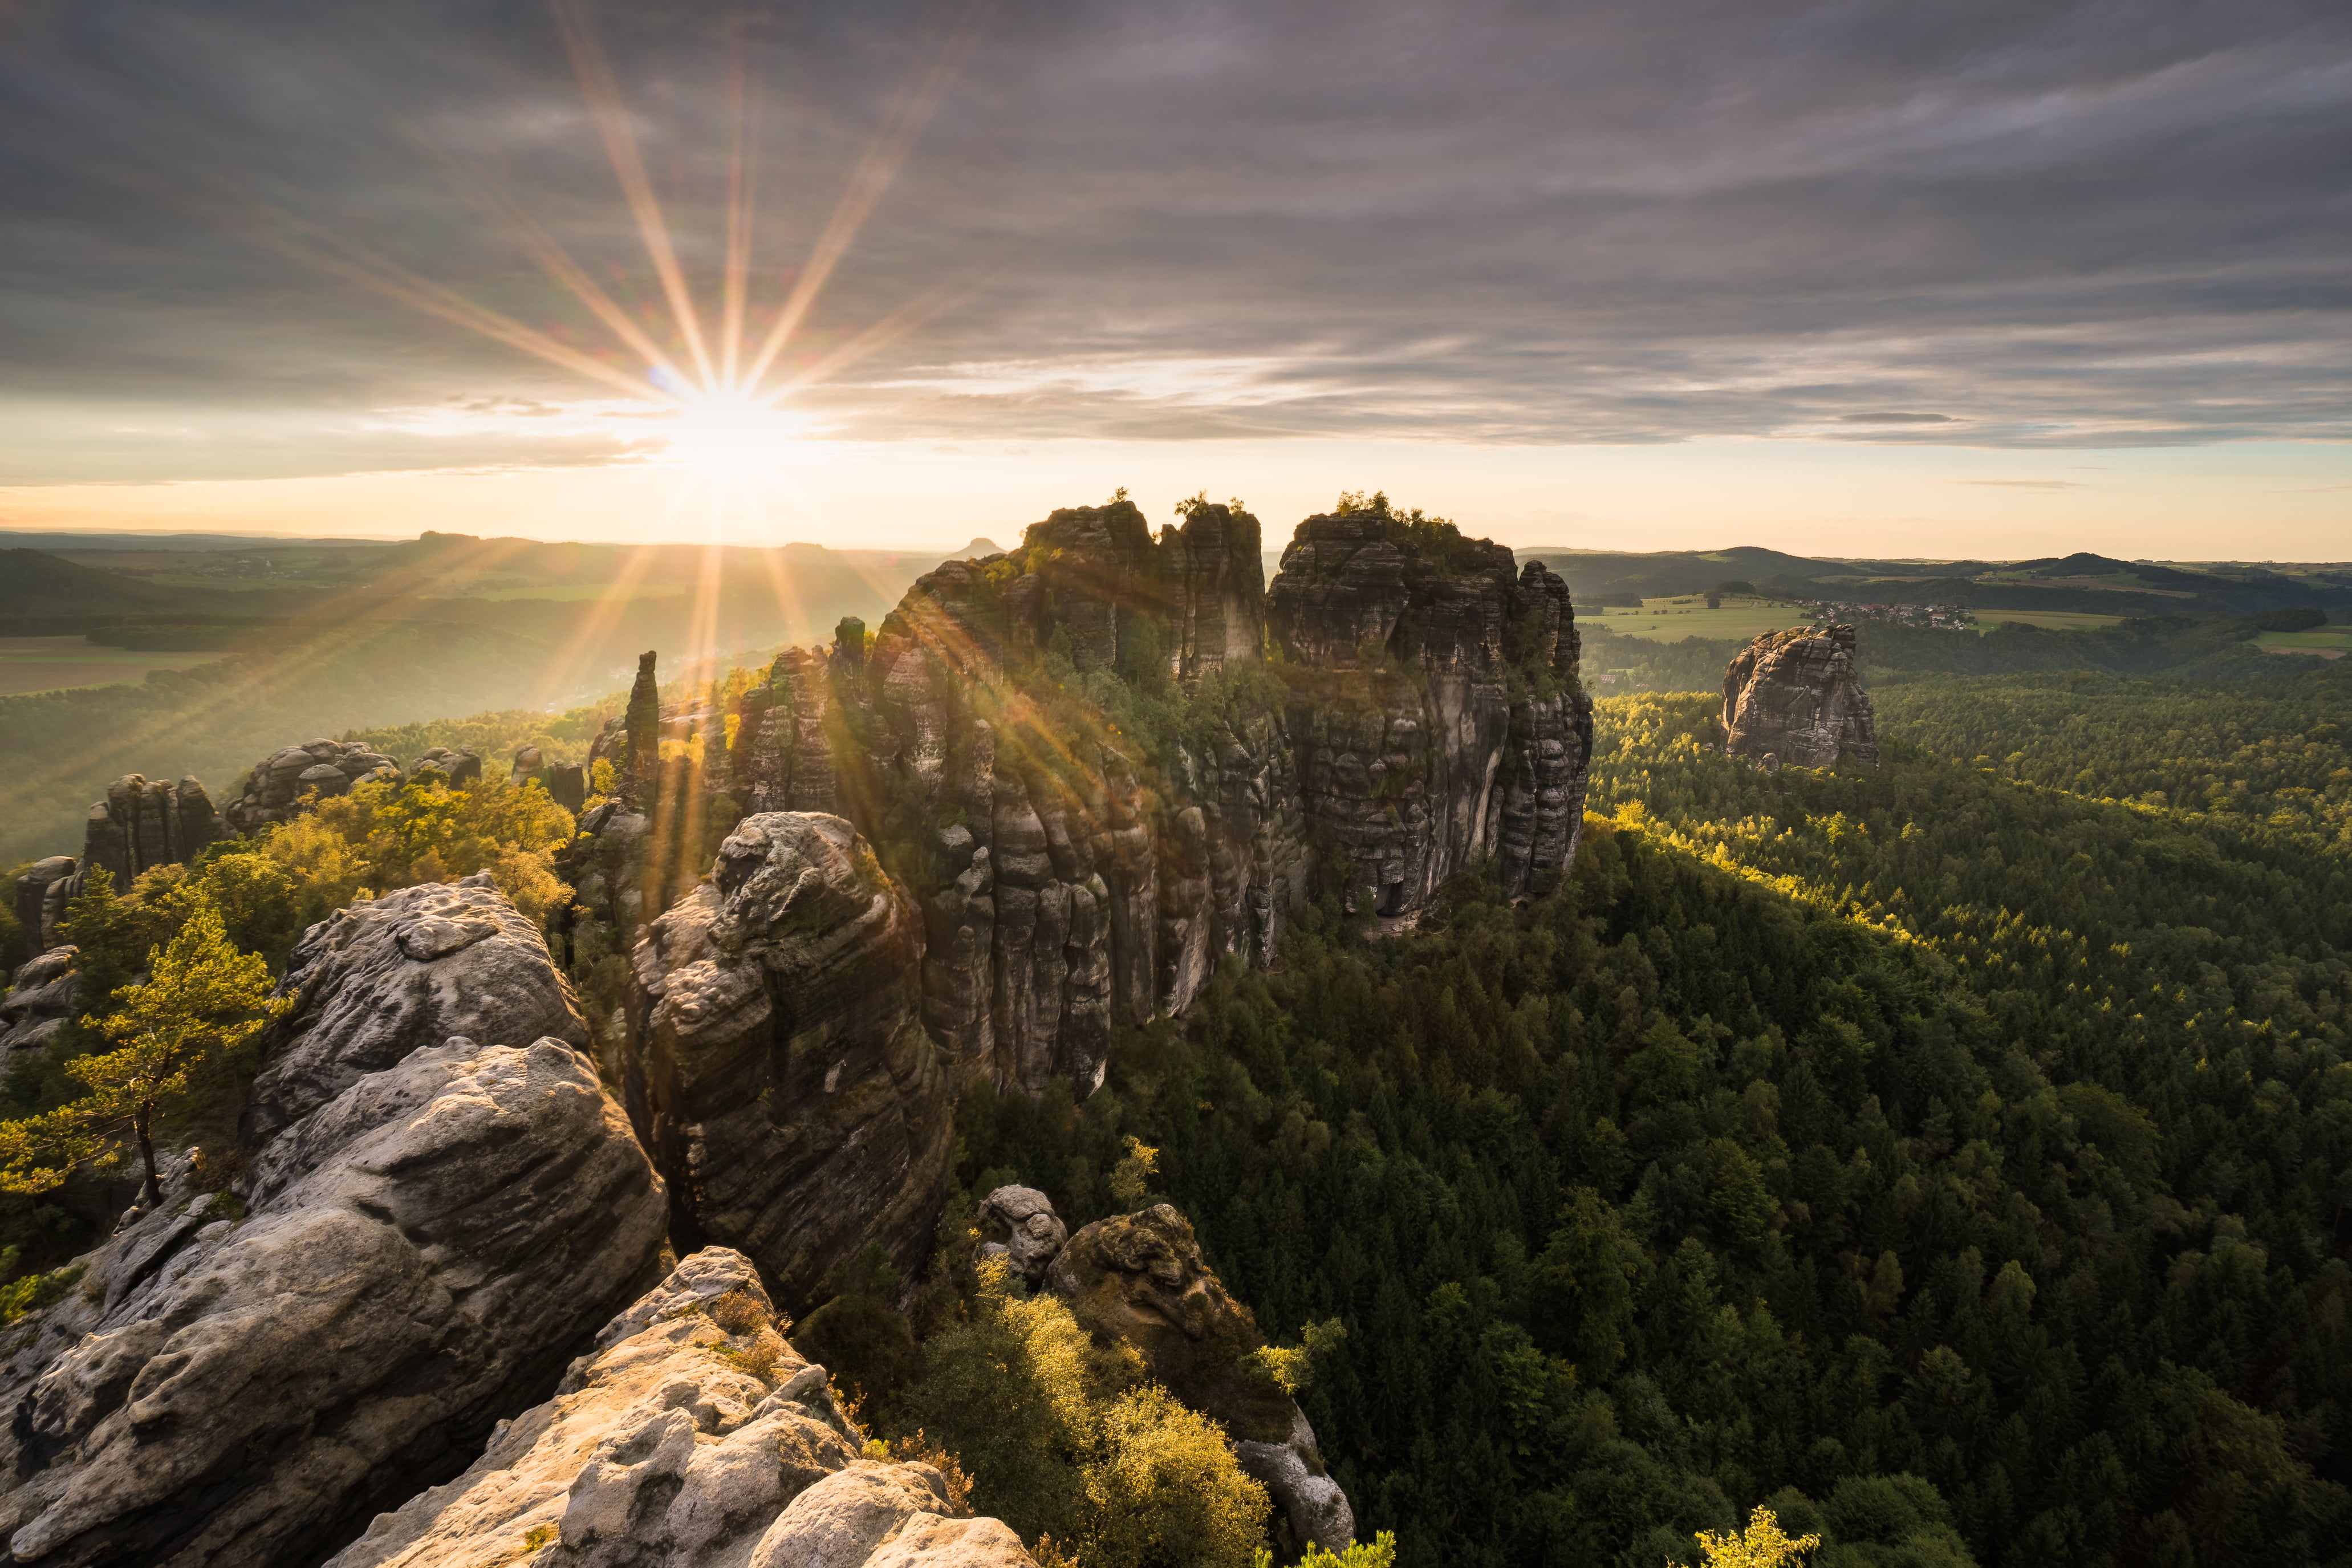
[1792, 699]
[777, 1063]
[140, 824]
[384, 978]
[693, 1436]
[1072, 875]
[41, 894]
[245, 1378]
[40, 999]
[273, 789]
[1140, 1278]
[1019, 1224]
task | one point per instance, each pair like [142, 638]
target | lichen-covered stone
[1793, 697]
[677, 1441]
[244, 1378]
[386, 976]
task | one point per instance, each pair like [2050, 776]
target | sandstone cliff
[1101, 764]
[1792, 699]
[691, 1436]
[245, 1377]
[778, 1070]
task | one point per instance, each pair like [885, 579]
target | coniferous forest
[1953, 1162]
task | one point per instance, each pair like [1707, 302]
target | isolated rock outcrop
[388, 976]
[457, 768]
[691, 1434]
[41, 895]
[1141, 1277]
[1791, 699]
[244, 1378]
[40, 999]
[777, 1063]
[1019, 1224]
[272, 790]
[143, 824]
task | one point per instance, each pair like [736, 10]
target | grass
[2049, 620]
[2328, 642]
[1666, 620]
[55, 664]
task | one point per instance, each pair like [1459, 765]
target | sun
[731, 430]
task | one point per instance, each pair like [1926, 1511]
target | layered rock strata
[391, 976]
[1074, 873]
[1792, 699]
[41, 1000]
[245, 1377]
[1140, 1278]
[690, 1436]
[1019, 1224]
[143, 824]
[778, 1066]
[41, 894]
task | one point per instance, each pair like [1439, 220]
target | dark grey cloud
[2051, 225]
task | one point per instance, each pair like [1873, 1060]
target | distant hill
[33, 584]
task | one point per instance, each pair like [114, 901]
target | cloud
[1487, 222]
[2025, 484]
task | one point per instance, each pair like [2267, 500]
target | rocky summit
[1791, 699]
[1099, 764]
[246, 1376]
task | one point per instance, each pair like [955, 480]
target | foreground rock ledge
[677, 1444]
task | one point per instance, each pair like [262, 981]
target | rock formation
[778, 1066]
[691, 1435]
[273, 790]
[1140, 1278]
[41, 894]
[1019, 1224]
[140, 824]
[1073, 872]
[40, 999]
[390, 975]
[1792, 699]
[457, 768]
[245, 1377]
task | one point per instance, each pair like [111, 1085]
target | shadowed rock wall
[1792, 699]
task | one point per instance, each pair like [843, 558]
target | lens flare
[732, 431]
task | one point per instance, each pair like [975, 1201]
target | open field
[2327, 642]
[2049, 620]
[50, 663]
[1663, 620]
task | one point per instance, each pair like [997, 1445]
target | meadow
[62, 664]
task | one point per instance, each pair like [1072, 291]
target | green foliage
[1062, 1439]
[203, 999]
[858, 1336]
[34, 1291]
[1378, 1552]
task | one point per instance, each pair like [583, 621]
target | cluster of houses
[1944, 618]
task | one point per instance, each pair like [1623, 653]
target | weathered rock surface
[384, 978]
[245, 1378]
[777, 1063]
[1425, 712]
[1791, 699]
[1141, 1277]
[1019, 1224]
[143, 824]
[684, 1441]
[459, 768]
[41, 1000]
[41, 894]
[272, 790]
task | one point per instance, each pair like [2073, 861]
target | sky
[1869, 277]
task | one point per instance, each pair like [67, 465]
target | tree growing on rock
[201, 999]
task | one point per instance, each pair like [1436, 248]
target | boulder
[457, 769]
[1141, 1277]
[388, 976]
[777, 1063]
[693, 1435]
[1019, 1224]
[244, 1378]
[40, 1001]
[1793, 697]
